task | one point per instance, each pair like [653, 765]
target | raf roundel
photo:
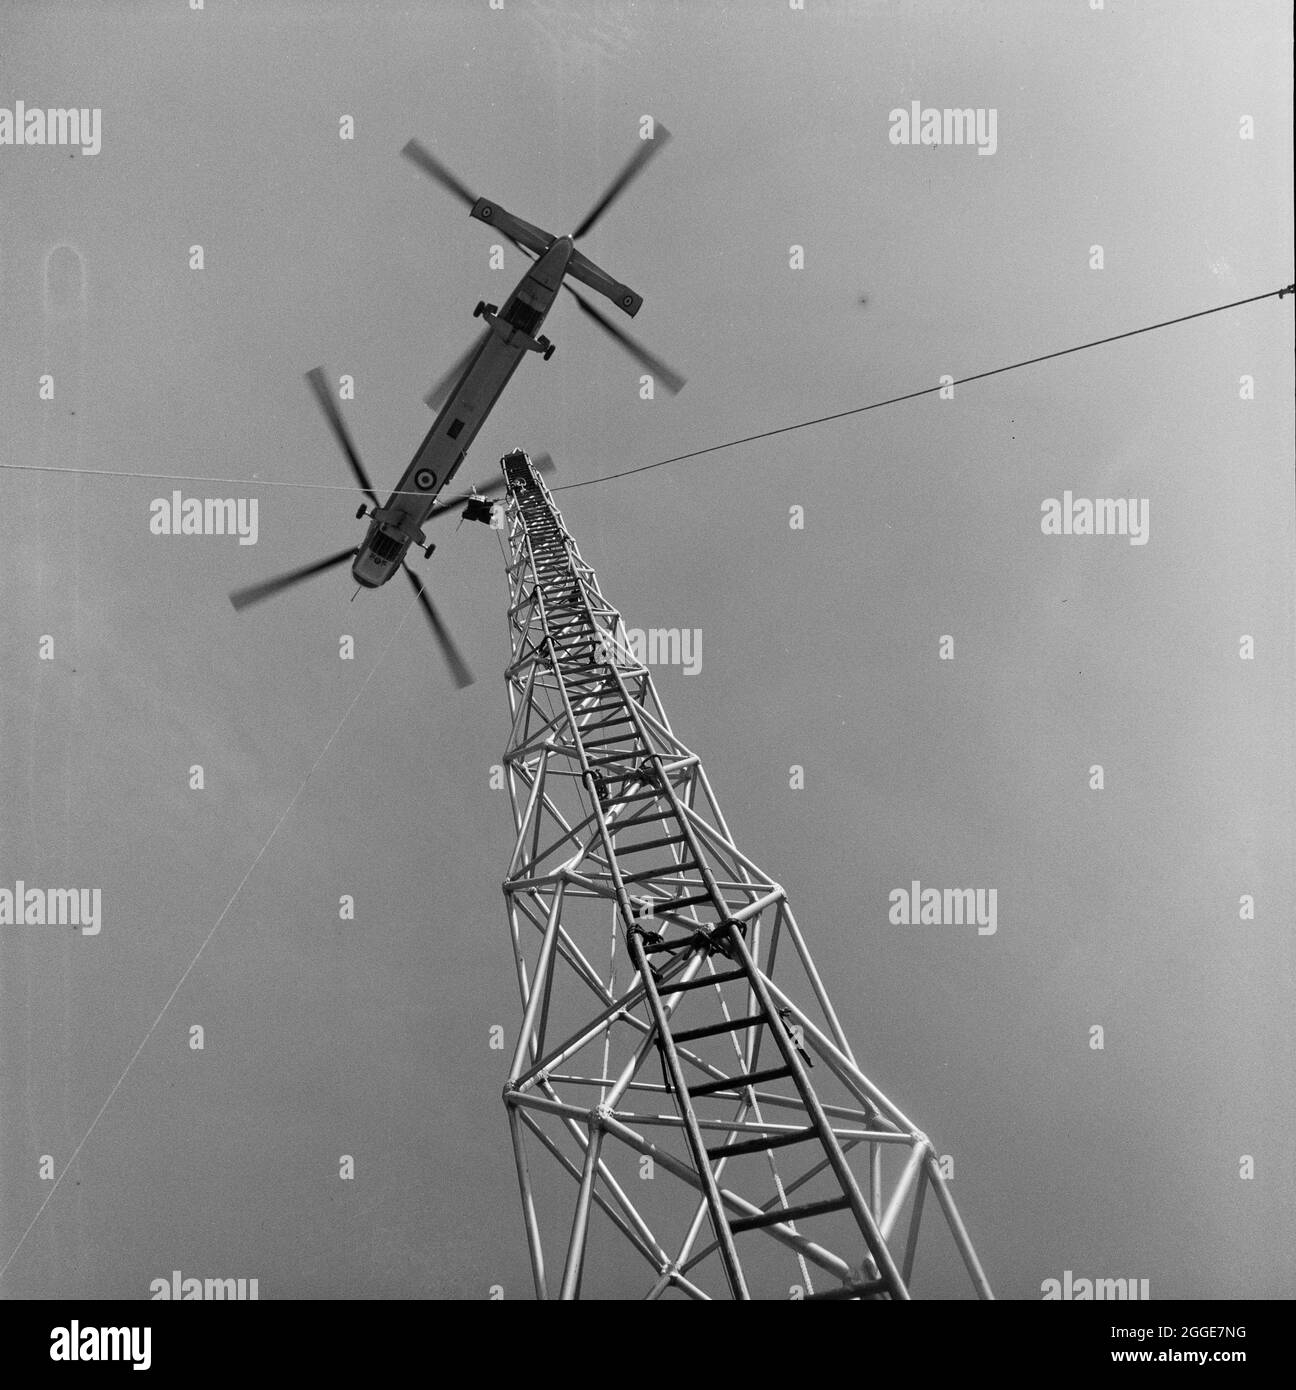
[426, 479]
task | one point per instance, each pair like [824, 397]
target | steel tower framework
[678, 1055]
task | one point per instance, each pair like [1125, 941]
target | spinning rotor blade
[329, 406]
[435, 398]
[671, 380]
[458, 666]
[428, 162]
[633, 167]
[451, 182]
[268, 588]
[543, 464]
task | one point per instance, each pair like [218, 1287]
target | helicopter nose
[361, 572]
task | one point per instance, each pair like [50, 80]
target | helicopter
[465, 394]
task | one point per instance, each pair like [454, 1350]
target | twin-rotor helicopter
[465, 395]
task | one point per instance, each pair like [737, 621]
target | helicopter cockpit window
[384, 547]
[522, 315]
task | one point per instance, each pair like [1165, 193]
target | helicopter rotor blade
[634, 166]
[669, 378]
[268, 588]
[329, 406]
[458, 666]
[543, 464]
[446, 383]
[418, 154]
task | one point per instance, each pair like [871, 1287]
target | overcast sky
[1119, 907]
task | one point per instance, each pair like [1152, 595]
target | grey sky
[1118, 907]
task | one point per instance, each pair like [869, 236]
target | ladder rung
[666, 813]
[763, 1142]
[779, 1214]
[728, 1025]
[638, 796]
[613, 738]
[675, 904]
[623, 850]
[736, 1083]
[602, 726]
[722, 978]
[662, 872]
[611, 721]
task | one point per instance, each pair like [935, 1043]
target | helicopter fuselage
[511, 334]
[465, 394]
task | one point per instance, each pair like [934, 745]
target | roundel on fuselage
[426, 479]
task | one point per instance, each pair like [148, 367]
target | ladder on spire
[621, 847]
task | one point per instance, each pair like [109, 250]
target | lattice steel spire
[678, 1056]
